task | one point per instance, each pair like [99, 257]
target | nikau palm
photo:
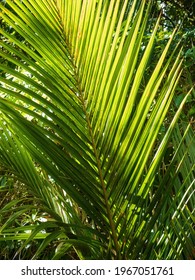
[76, 103]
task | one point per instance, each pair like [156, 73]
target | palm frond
[76, 102]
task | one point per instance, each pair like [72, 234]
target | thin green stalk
[105, 195]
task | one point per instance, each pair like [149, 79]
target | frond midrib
[103, 189]
[101, 179]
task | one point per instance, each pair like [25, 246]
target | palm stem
[109, 213]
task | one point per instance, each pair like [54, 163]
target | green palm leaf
[75, 100]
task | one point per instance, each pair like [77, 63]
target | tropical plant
[89, 133]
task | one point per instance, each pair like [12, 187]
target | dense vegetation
[97, 146]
